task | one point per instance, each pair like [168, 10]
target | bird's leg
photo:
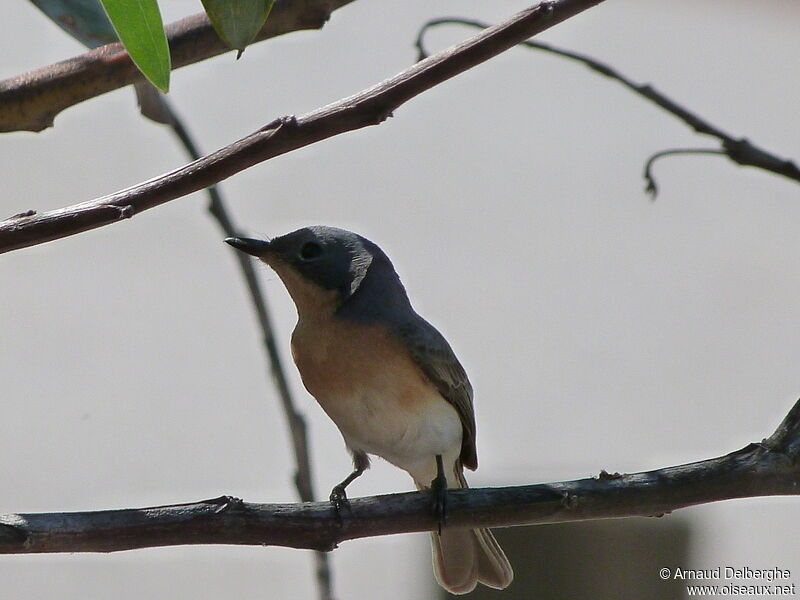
[338, 495]
[439, 491]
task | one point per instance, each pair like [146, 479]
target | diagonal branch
[297, 425]
[30, 102]
[369, 107]
[769, 468]
[739, 150]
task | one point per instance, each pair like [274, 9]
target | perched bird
[387, 378]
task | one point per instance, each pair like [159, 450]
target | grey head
[355, 269]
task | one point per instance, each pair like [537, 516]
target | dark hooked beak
[249, 245]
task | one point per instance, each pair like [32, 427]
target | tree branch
[651, 187]
[303, 480]
[769, 468]
[369, 107]
[30, 102]
[739, 150]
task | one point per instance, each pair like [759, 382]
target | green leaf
[85, 20]
[138, 25]
[237, 21]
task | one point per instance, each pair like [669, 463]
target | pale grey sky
[601, 330]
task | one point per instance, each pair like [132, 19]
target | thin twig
[30, 101]
[739, 150]
[369, 107]
[303, 480]
[769, 468]
[651, 187]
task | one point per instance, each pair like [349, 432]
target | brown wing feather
[437, 360]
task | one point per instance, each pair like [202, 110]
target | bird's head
[320, 266]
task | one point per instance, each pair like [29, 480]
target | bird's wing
[437, 360]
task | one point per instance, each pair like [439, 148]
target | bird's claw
[439, 491]
[339, 501]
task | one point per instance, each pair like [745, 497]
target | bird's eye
[310, 251]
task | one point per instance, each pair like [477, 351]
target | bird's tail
[464, 557]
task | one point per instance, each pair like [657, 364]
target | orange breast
[339, 359]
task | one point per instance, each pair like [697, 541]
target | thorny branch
[739, 150]
[369, 107]
[768, 468]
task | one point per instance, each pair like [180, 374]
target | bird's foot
[338, 495]
[339, 501]
[439, 491]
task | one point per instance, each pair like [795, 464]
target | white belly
[377, 422]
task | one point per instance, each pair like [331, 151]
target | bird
[387, 378]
